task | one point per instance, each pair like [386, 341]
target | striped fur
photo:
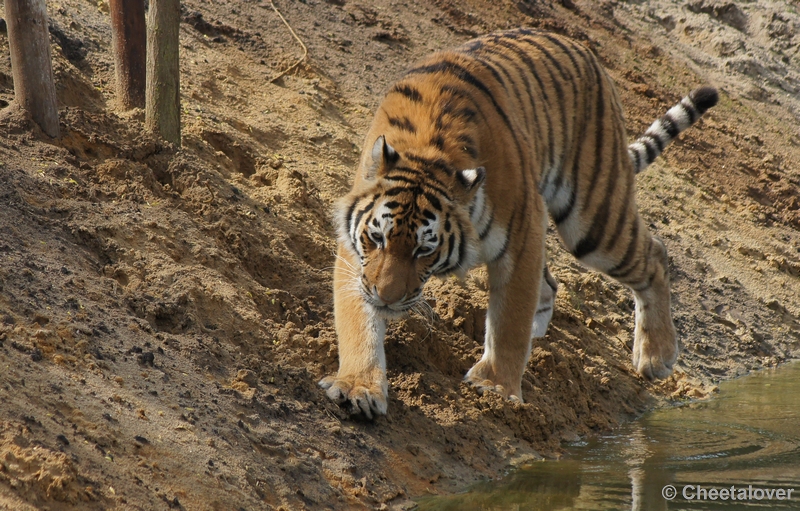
[469, 153]
[664, 130]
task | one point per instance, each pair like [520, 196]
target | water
[747, 437]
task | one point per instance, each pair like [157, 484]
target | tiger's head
[407, 219]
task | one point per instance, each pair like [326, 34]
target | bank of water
[738, 450]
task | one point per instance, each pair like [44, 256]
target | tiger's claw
[365, 398]
[477, 379]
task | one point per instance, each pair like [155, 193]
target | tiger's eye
[376, 237]
[423, 251]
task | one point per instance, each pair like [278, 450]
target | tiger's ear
[384, 158]
[471, 178]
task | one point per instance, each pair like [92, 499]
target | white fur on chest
[492, 237]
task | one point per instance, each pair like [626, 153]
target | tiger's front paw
[367, 394]
[483, 377]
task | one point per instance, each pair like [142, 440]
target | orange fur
[466, 157]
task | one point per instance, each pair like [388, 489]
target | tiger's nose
[388, 295]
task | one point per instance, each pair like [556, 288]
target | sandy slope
[165, 313]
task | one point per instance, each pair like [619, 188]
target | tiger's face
[403, 232]
[401, 241]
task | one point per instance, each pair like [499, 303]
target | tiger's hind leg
[546, 306]
[595, 212]
[638, 260]
[655, 347]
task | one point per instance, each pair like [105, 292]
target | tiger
[469, 154]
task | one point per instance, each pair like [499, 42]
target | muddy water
[739, 450]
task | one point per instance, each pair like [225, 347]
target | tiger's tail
[658, 136]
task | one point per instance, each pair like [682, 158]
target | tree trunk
[128, 36]
[29, 41]
[162, 108]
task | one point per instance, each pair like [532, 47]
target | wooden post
[162, 98]
[128, 36]
[29, 41]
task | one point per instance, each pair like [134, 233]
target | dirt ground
[165, 313]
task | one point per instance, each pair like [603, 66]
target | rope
[305, 50]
